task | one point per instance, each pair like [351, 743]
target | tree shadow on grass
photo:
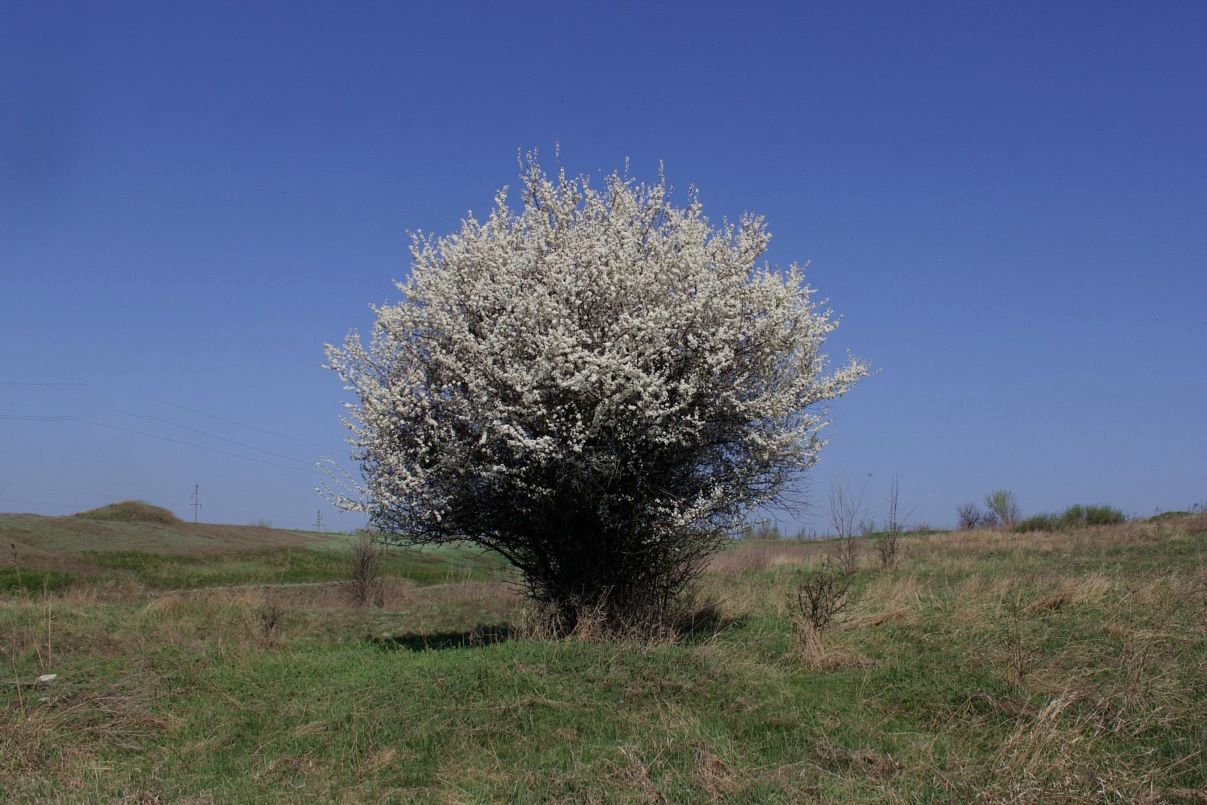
[696, 626]
[703, 625]
[477, 637]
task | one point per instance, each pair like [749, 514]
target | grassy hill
[130, 511]
[987, 666]
[131, 543]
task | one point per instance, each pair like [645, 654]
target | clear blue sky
[1006, 201]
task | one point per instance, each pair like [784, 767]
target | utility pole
[318, 520]
[196, 504]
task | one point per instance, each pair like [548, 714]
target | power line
[37, 418]
[203, 447]
[21, 383]
[249, 427]
[213, 436]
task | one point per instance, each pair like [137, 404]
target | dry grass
[890, 599]
[752, 556]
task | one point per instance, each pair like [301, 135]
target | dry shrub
[364, 584]
[821, 596]
[269, 615]
[969, 517]
[888, 540]
[846, 554]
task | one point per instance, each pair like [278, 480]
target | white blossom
[594, 339]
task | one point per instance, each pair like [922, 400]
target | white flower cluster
[598, 339]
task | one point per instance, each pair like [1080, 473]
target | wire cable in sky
[203, 447]
[24, 383]
[249, 427]
[216, 436]
[37, 418]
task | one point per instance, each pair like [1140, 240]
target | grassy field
[60, 552]
[987, 666]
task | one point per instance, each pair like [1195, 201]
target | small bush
[1074, 517]
[364, 585]
[1094, 515]
[1003, 506]
[821, 595]
[971, 517]
[846, 553]
[1037, 522]
[888, 540]
[264, 622]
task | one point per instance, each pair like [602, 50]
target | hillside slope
[35, 535]
[59, 552]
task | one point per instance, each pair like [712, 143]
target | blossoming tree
[597, 385]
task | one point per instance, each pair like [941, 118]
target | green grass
[916, 697]
[29, 580]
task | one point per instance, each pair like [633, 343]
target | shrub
[888, 540]
[970, 517]
[1037, 522]
[1003, 506]
[599, 386]
[364, 585]
[845, 512]
[1074, 517]
[821, 596]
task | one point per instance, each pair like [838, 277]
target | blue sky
[1006, 202]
